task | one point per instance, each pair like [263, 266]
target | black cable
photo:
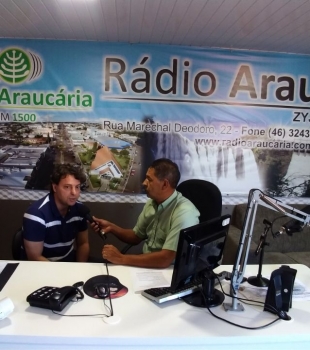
[232, 323]
[89, 315]
[240, 326]
[85, 315]
[246, 301]
[110, 308]
[109, 294]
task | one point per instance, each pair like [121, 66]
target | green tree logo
[17, 66]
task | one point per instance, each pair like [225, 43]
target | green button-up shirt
[160, 225]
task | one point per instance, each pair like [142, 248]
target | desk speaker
[280, 290]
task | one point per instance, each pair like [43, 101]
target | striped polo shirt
[43, 222]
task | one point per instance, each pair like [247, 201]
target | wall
[12, 211]
[123, 214]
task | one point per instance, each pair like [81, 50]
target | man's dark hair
[62, 170]
[166, 169]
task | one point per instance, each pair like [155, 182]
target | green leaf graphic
[15, 66]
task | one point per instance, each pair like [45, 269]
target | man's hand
[112, 254]
[101, 225]
[125, 235]
[161, 259]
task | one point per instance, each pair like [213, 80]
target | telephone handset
[54, 298]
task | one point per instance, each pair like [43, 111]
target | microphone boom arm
[256, 197]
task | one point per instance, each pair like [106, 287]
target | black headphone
[79, 294]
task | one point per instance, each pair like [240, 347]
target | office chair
[206, 197]
[17, 244]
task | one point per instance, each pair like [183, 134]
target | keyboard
[161, 295]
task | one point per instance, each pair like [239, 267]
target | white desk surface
[144, 324]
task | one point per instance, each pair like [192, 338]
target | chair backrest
[206, 197]
[17, 244]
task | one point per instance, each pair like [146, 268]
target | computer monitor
[199, 252]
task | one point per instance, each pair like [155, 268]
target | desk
[144, 324]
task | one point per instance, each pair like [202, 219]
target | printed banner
[239, 119]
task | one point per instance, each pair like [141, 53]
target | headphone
[79, 294]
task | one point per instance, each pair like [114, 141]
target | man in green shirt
[158, 225]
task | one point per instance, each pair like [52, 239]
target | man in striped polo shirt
[53, 229]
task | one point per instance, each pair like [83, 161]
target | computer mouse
[102, 291]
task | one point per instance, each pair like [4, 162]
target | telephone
[54, 298]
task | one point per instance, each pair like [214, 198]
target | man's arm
[82, 246]
[160, 259]
[34, 250]
[125, 235]
[33, 234]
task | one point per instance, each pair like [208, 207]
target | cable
[81, 315]
[240, 299]
[89, 315]
[109, 294]
[246, 301]
[240, 326]
[110, 308]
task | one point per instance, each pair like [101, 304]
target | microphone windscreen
[85, 212]
[83, 209]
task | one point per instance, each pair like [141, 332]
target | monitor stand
[208, 296]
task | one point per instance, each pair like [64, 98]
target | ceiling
[267, 25]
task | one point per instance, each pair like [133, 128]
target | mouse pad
[100, 286]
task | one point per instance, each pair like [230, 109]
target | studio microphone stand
[256, 198]
[258, 280]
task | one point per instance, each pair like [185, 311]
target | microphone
[85, 212]
[293, 225]
[259, 247]
[263, 236]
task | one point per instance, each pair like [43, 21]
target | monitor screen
[200, 250]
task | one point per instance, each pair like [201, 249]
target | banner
[239, 119]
